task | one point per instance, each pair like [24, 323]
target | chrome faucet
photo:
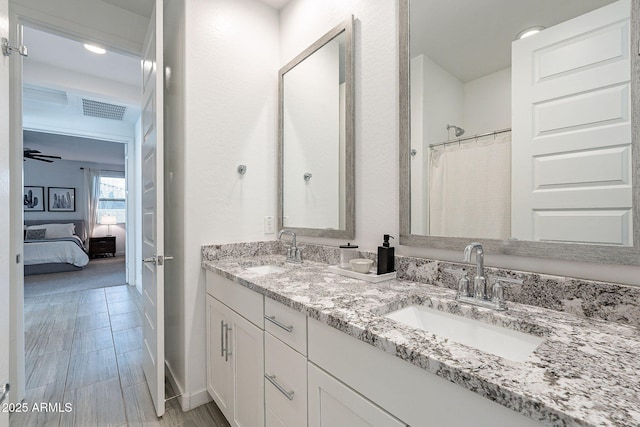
[294, 254]
[479, 294]
[479, 282]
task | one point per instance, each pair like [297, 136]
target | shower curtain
[470, 189]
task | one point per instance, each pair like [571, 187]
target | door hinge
[7, 49]
[18, 259]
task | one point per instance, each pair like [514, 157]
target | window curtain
[92, 190]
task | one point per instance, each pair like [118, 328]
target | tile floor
[85, 349]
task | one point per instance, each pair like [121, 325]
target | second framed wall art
[62, 199]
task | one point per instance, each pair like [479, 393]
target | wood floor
[83, 362]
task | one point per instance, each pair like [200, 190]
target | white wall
[444, 102]
[65, 173]
[487, 103]
[376, 101]
[176, 349]
[221, 106]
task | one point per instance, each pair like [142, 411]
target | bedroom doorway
[74, 124]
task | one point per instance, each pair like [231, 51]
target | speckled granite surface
[608, 301]
[586, 372]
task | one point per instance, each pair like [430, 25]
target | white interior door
[5, 211]
[152, 210]
[571, 174]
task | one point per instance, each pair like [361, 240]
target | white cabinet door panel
[333, 404]
[219, 373]
[247, 348]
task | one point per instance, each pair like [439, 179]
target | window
[112, 200]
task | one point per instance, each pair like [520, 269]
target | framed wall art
[33, 199]
[62, 199]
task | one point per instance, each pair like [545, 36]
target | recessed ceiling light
[94, 49]
[529, 32]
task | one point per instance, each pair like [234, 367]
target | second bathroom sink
[509, 344]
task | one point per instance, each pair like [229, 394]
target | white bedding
[54, 251]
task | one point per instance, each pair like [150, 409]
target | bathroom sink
[266, 269]
[509, 344]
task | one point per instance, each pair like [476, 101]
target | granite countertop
[586, 372]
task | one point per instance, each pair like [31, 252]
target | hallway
[84, 352]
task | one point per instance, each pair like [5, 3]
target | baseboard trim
[199, 398]
[188, 401]
[174, 383]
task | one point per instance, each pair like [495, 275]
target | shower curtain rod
[469, 138]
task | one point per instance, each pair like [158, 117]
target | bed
[60, 247]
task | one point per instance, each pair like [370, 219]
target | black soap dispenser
[386, 257]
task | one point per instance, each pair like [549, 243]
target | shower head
[458, 130]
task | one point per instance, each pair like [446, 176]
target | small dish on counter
[361, 265]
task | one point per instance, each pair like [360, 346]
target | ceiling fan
[29, 153]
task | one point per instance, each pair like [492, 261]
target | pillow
[37, 234]
[55, 231]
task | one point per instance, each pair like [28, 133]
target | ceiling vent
[103, 110]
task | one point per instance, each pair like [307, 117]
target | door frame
[20, 16]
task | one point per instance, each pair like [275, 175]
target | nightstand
[102, 246]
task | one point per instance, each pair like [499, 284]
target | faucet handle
[498, 290]
[464, 286]
[498, 295]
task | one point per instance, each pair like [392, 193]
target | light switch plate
[268, 225]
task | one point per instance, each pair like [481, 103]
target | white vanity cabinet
[332, 403]
[412, 394]
[268, 364]
[235, 351]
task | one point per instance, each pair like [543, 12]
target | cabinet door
[331, 403]
[219, 366]
[247, 347]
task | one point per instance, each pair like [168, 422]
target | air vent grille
[103, 110]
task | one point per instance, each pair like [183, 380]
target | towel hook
[242, 169]
[307, 176]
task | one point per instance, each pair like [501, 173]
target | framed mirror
[316, 173]
[527, 145]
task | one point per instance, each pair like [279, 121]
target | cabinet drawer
[286, 393]
[243, 301]
[286, 324]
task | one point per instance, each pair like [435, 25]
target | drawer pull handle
[222, 338]
[272, 380]
[273, 320]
